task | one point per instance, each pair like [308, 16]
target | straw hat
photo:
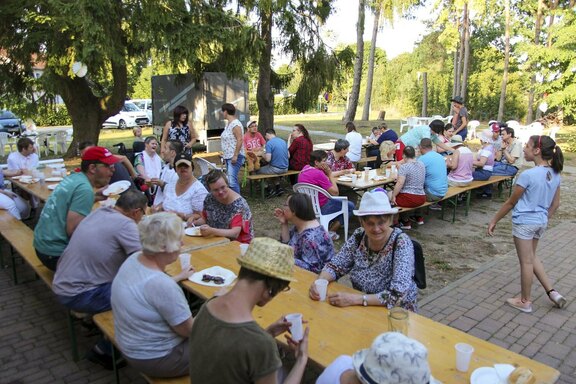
[269, 257]
[456, 141]
[375, 203]
[393, 359]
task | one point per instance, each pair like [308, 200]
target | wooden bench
[260, 178]
[105, 321]
[20, 238]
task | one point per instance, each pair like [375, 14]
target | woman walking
[535, 198]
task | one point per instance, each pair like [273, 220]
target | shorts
[528, 232]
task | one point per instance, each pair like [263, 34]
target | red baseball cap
[100, 154]
[495, 127]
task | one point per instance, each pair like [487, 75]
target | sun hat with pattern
[393, 359]
[375, 202]
[269, 257]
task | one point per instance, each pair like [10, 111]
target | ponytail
[557, 160]
[549, 151]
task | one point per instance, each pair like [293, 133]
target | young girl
[536, 197]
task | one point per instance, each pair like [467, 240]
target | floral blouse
[340, 164]
[229, 141]
[183, 135]
[388, 275]
[312, 248]
[235, 214]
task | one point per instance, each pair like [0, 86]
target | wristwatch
[364, 300]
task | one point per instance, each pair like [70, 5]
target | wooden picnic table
[193, 243]
[335, 331]
[377, 178]
[37, 189]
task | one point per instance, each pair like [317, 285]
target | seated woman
[225, 213]
[10, 201]
[148, 165]
[392, 358]
[185, 197]
[484, 164]
[231, 345]
[460, 164]
[311, 243]
[409, 189]
[337, 160]
[378, 259]
[299, 149]
[152, 319]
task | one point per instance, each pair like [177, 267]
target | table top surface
[37, 189]
[360, 324]
[362, 184]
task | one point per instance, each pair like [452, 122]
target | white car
[145, 105]
[129, 116]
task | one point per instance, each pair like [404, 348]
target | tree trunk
[355, 93]
[553, 5]
[460, 60]
[264, 95]
[424, 94]
[537, 28]
[466, 30]
[370, 75]
[506, 61]
[455, 85]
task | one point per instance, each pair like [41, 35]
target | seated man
[254, 144]
[26, 157]
[123, 169]
[10, 201]
[168, 175]
[70, 203]
[318, 173]
[226, 213]
[376, 150]
[510, 155]
[436, 179]
[277, 157]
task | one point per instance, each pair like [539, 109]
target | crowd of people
[115, 257]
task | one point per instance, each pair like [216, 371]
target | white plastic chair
[436, 117]
[472, 125]
[4, 141]
[60, 141]
[205, 165]
[513, 123]
[42, 142]
[553, 131]
[410, 122]
[313, 191]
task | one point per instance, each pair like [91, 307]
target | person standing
[232, 145]
[355, 140]
[535, 199]
[179, 129]
[459, 117]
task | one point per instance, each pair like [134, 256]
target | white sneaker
[557, 298]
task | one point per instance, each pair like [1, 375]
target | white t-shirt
[355, 151]
[169, 176]
[146, 303]
[17, 161]
[332, 373]
[190, 201]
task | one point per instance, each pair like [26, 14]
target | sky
[394, 40]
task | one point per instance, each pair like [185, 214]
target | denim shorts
[528, 232]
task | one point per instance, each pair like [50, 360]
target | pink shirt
[254, 142]
[316, 177]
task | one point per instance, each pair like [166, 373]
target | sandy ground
[451, 249]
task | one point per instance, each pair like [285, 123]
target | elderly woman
[232, 347]
[185, 197]
[152, 319]
[311, 243]
[225, 213]
[378, 259]
[179, 129]
[337, 160]
[232, 145]
[409, 189]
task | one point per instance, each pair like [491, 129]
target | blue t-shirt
[279, 151]
[412, 137]
[540, 184]
[436, 181]
[388, 135]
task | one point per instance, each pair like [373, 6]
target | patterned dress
[312, 248]
[385, 273]
[235, 214]
[182, 134]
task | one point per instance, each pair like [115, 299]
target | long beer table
[335, 331]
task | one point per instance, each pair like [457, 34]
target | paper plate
[226, 274]
[193, 231]
[116, 188]
[54, 179]
[344, 178]
[484, 375]
[17, 177]
[52, 186]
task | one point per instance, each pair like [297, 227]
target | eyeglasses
[215, 279]
[273, 292]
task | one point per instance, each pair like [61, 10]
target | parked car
[10, 123]
[129, 116]
[145, 105]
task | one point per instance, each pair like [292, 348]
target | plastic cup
[243, 249]
[463, 355]
[398, 320]
[184, 261]
[322, 288]
[387, 173]
[354, 178]
[367, 174]
[296, 328]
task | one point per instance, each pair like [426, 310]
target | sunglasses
[215, 279]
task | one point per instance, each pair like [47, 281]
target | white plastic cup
[296, 328]
[184, 261]
[394, 169]
[387, 173]
[463, 355]
[367, 174]
[243, 249]
[354, 178]
[322, 288]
